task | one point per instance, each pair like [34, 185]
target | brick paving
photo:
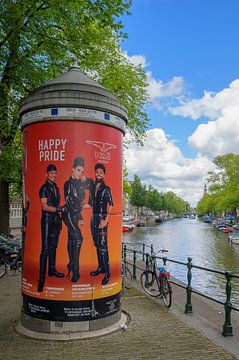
[153, 333]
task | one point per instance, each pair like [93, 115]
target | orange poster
[72, 173]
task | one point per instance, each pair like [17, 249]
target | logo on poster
[104, 148]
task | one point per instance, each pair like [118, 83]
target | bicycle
[126, 276]
[156, 281]
[10, 261]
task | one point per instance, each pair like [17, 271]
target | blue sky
[189, 49]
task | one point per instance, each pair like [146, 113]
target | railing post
[147, 261]
[188, 306]
[147, 269]
[152, 249]
[124, 254]
[227, 327]
[134, 265]
[143, 252]
[164, 261]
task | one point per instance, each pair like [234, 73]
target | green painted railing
[144, 256]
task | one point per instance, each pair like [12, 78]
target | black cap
[51, 167]
[100, 166]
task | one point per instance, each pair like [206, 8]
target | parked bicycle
[126, 277]
[10, 260]
[156, 281]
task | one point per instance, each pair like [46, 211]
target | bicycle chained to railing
[156, 280]
[10, 262]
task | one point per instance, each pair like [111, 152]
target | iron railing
[145, 256]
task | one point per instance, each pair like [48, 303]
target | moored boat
[234, 238]
[127, 228]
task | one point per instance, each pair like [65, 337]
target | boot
[75, 258]
[70, 254]
[43, 261]
[106, 279]
[52, 265]
[56, 274]
[97, 272]
[100, 269]
[75, 277]
[105, 258]
[40, 284]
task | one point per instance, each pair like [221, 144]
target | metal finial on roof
[74, 63]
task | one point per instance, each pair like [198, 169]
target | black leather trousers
[50, 229]
[100, 238]
[75, 240]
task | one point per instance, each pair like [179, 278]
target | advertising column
[73, 195]
[72, 180]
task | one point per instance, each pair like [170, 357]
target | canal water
[206, 246]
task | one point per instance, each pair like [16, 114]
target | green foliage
[155, 201]
[37, 39]
[174, 204]
[11, 164]
[126, 184]
[138, 195]
[223, 191]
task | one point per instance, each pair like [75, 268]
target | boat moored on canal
[127, 228]
[234, 237]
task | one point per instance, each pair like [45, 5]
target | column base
[56, 330]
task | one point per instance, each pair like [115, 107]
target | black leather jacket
[50, 191]
[75, 195]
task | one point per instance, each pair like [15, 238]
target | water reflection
[205, 245]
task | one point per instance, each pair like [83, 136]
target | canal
[206, 246]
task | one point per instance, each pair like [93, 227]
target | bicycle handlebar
[161, 250]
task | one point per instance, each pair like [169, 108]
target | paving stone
[153, 332]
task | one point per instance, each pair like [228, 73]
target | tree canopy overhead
[37, 38]
[37, 41]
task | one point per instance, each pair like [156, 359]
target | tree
[154, 199]
[139, 193]
[36, 40]
[223, 191]
[127, 190]
[174, 204]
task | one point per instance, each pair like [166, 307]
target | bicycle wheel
[149, 283]
[3, 269]
[127, 278]
[166, 292]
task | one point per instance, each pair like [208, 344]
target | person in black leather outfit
[50, 226]
[74, 190]
[102, 202]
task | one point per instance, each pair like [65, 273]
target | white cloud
[221, 134]
[158, 89]
[211, 104]
[163, 166]
[137, 60]
[218, 137]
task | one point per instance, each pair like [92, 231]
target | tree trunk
[234, 212]
[4, 207]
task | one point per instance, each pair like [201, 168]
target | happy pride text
[52, 149]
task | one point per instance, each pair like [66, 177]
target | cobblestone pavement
[153, 333]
